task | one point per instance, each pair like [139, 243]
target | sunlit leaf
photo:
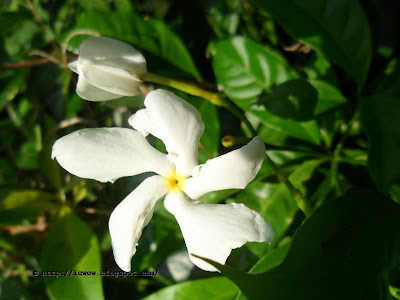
[19, 205]
[244, 68]
[217, 288]
[72, 245]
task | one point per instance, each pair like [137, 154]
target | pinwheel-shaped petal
[209, 230]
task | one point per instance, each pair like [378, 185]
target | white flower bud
[108, 69]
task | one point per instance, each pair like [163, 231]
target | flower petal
[110, 79]
[106, 154]
[213, 230]
[130, 217]
[114, 52]
[87, 91]
[177, 123]
[233, 170]
[74, 66]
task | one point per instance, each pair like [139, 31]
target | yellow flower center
[174, 181]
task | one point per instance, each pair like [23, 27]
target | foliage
[317, 80]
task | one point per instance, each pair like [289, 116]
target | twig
[28, 63]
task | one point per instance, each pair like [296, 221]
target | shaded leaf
[380, 120]
[328, 253]
[14, 86]
[301, 100]
[338, 30]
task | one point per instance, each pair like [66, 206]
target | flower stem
[186, 87]
[336, 155]
[195, 90]
[283, 177]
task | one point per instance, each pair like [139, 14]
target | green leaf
[28, 155]
[19, 205]
[97, 5]
[71, 245]
[216, 288]
[308, 131]
[338, 30]
[304, 172]
[389, 82]
[272, 259]
[329, 97]
[11, 21]
[223, 16]
[300, 100]
[150, 34]
[13, 289]
[380, 119]
[15, 85]
[274, 202]
[328, 253]
[20, 41]
[244, 68]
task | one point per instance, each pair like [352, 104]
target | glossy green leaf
[301, 100]
[308, 131]
[338, 30]
[329, 97]
[245, 68]
[19, 205]
[272, 259]
[274, 202]
[328, 254]
[304, 172]
[216, 288]
[72, 245]
[151, 35]
[380, 121]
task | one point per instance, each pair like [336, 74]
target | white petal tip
[134, 121]
[125, 268]
[74, 66]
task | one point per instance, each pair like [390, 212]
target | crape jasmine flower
[209, 230]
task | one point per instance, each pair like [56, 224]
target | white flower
[108, 69]
[209, 230]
